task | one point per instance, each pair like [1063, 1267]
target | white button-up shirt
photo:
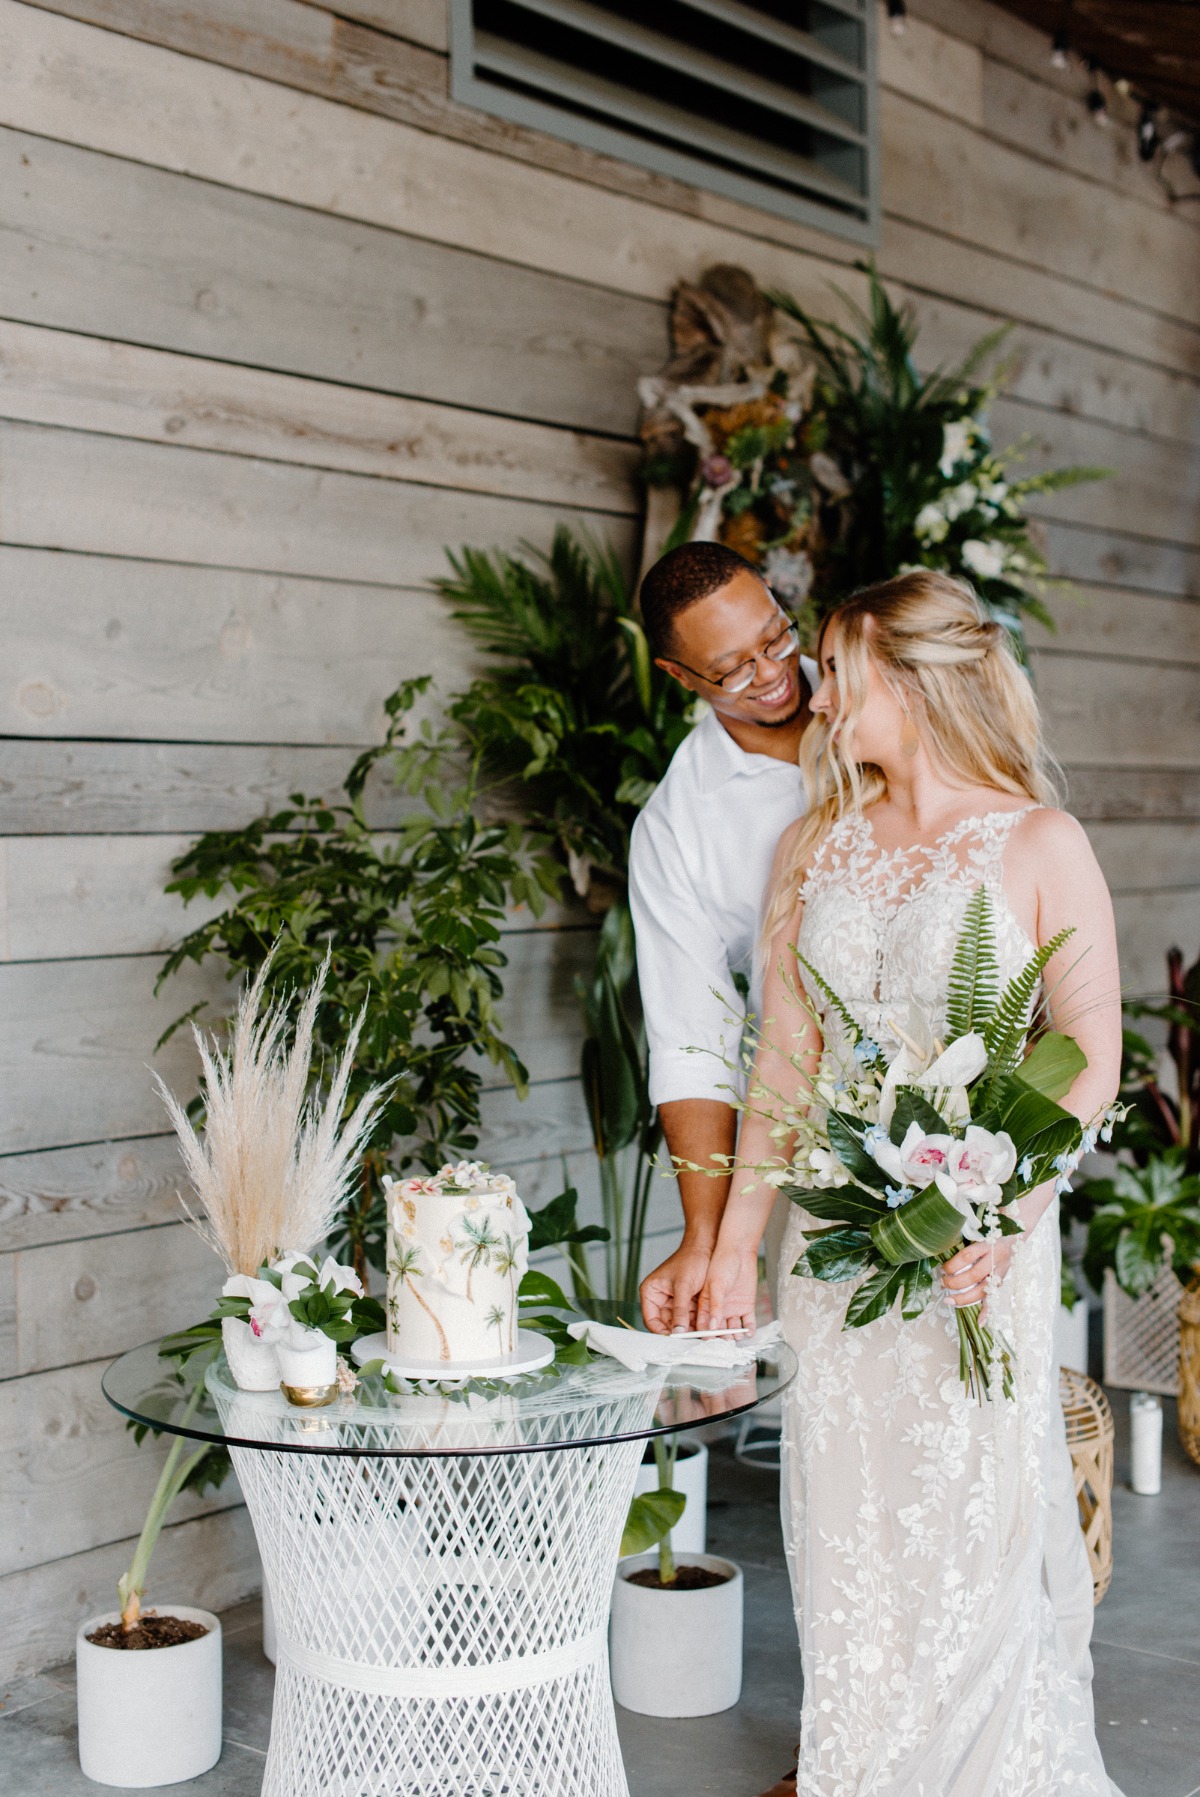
[699, 862]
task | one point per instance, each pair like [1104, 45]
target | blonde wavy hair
[954, 670]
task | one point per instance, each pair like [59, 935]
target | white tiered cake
[457, 1248]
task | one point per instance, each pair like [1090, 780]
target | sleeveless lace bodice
[881, 925]
[914, 1517]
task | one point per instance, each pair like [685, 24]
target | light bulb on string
[1147, 132]
[897, 11]
[1060, 49]
[1097, 105]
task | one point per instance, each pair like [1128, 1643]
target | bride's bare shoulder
[1052, 844]
[1046, 830]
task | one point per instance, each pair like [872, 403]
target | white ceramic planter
[1071, 1336]
[690, 1534]
[311, 1367]
[253, 1363]
[149, 1718]
[677, 1653]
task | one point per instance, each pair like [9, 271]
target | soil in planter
[151, 1631]
[687, 1578]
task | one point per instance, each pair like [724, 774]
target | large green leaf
[1053, 1064]
[838, 1204]
[835, 1255]
[874, 1297]
[557, 1222]
[846, 1142]
[912, 1106]
[651, 1517]
[927, 1227]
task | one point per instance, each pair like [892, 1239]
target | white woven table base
[442, 1621]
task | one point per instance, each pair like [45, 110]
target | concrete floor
[1147, 1652]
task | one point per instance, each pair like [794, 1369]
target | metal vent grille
[770, 103]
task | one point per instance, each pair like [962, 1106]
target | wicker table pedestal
[441, 1568]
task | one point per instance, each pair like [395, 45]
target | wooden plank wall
[278, 322]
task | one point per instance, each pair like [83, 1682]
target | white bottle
[1146, 1433]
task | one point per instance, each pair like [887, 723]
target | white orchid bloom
[344, 1279]
[269, 1315]
[930, 524]
[975, 1174]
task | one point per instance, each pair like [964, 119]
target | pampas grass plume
[272, 1168]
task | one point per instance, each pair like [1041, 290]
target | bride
[913, 1515]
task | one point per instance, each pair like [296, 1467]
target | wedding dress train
[913, 1516]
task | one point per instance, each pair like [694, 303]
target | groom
[699, 863]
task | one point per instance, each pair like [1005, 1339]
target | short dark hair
[681, 577]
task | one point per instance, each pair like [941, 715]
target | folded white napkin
[638, 1349]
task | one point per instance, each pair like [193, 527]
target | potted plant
[154, 1717]
[676, 1629]
[1143, 1222]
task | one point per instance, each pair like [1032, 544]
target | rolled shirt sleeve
[694, 1015]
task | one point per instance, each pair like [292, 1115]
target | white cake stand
[532, 1352]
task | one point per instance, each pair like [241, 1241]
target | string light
[1061, 49]
[1147, 131]
[897, 11]
[1097, 105]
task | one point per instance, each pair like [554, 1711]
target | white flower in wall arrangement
[957, 438]
[931, 524]
[984, 559]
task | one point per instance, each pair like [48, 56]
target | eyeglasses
[739, 678]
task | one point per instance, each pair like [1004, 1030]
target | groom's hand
[669, 1294]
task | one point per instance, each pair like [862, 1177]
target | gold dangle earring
[910, 741]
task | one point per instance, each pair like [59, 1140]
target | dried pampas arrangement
[272, 1167]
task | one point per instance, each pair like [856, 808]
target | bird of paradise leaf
[405, 1266]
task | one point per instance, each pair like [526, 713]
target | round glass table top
[563, 1407]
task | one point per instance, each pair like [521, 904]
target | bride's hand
[730, 1291]
[965, 1276]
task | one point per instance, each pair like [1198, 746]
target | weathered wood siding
[278, 322]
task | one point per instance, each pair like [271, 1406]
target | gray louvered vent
[771, 103]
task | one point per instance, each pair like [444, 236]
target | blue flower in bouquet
[866, 1051]
[898, 1195]
[1025, 1170]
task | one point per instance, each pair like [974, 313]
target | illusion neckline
[977, 821]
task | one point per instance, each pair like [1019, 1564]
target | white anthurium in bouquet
[903, 1159]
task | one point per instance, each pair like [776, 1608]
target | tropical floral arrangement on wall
[821, 453]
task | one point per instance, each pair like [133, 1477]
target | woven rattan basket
[1141, 1336]
[1189, 1369]
[1090, 1438]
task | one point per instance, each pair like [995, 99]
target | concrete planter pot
[677, 1653]
[253, 1363]
[149, 1718]
[690, 1534]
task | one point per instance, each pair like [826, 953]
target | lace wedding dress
[914, 1516]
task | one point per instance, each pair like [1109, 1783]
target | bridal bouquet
[907, 1158]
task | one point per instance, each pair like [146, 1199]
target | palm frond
[974, 974]
[853, 1030]
[1006, 1029]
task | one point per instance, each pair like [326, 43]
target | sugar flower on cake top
[463, 1179]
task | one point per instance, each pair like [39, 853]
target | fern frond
[852, 1028]
[1006, 1029]
[975, 973]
